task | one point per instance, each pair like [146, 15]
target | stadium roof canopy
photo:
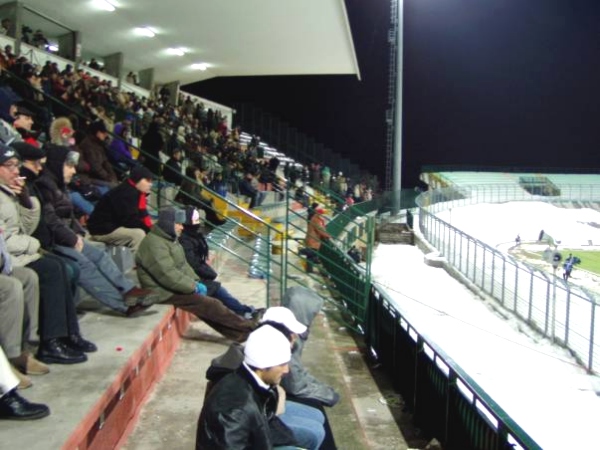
[231, 37]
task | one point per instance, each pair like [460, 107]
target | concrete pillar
[67, 45]
[77, 48]
[14, 12]
[173, 90]
[113, 65]
[146, 78]
[9, 11]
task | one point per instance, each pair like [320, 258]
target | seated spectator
[84, 190]
[237, 412]
[196, 253]
[305, 304]
[192, 194]
[39, 40]
[121, 217]
[248, 189]
[219, 185]
[306, 422]
[94, 64]
[60, 339]
[172, 169]
[23, 123]
[12, 405]
[19, 310]
[118, 151]
[93, 149]
[162, 266]
[5, 26]
[100, 277]
[152, 144]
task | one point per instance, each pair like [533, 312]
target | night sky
[486, 82]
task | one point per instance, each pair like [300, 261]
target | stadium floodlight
[200, 66]
[177, 51]
[145, 31]
[105, 5]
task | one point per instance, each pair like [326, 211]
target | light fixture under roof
[145, 31]
[200, 66]
[105, 5]
[177, 51]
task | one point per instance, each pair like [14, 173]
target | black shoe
[76, 342]
[136, 310]
[54, 351]
[15, 407]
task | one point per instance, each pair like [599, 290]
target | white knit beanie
[267, 347]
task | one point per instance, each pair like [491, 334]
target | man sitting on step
[19, 310]
[120, 217]
[162, 267]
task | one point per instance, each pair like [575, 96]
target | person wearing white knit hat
[237, 411]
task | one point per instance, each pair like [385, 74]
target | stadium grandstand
[76, 72]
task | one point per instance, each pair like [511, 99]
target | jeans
[306, 423]
[81, 203]
[231, 302]
[84, 205]
[100, 277]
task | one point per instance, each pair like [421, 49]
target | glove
[201, 288]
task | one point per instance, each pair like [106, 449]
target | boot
[54, 351]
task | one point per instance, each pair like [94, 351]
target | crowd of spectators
[61, 122]
[198, 134]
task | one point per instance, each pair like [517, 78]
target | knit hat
[284, 316]
[168, 217]
[21, 110]
[267, 347]
[97, 126]
[28, 152]
[7, 152]
[139, 172]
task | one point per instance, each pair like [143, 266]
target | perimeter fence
[560, 310]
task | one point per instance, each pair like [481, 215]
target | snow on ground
[501, 222]
[539, 385]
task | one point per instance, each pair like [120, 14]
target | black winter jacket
[236, 415]
[119, 207]
[196, 253]
[58, 209]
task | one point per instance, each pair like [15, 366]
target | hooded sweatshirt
[305, 304]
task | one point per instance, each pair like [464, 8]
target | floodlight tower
[393, 168]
